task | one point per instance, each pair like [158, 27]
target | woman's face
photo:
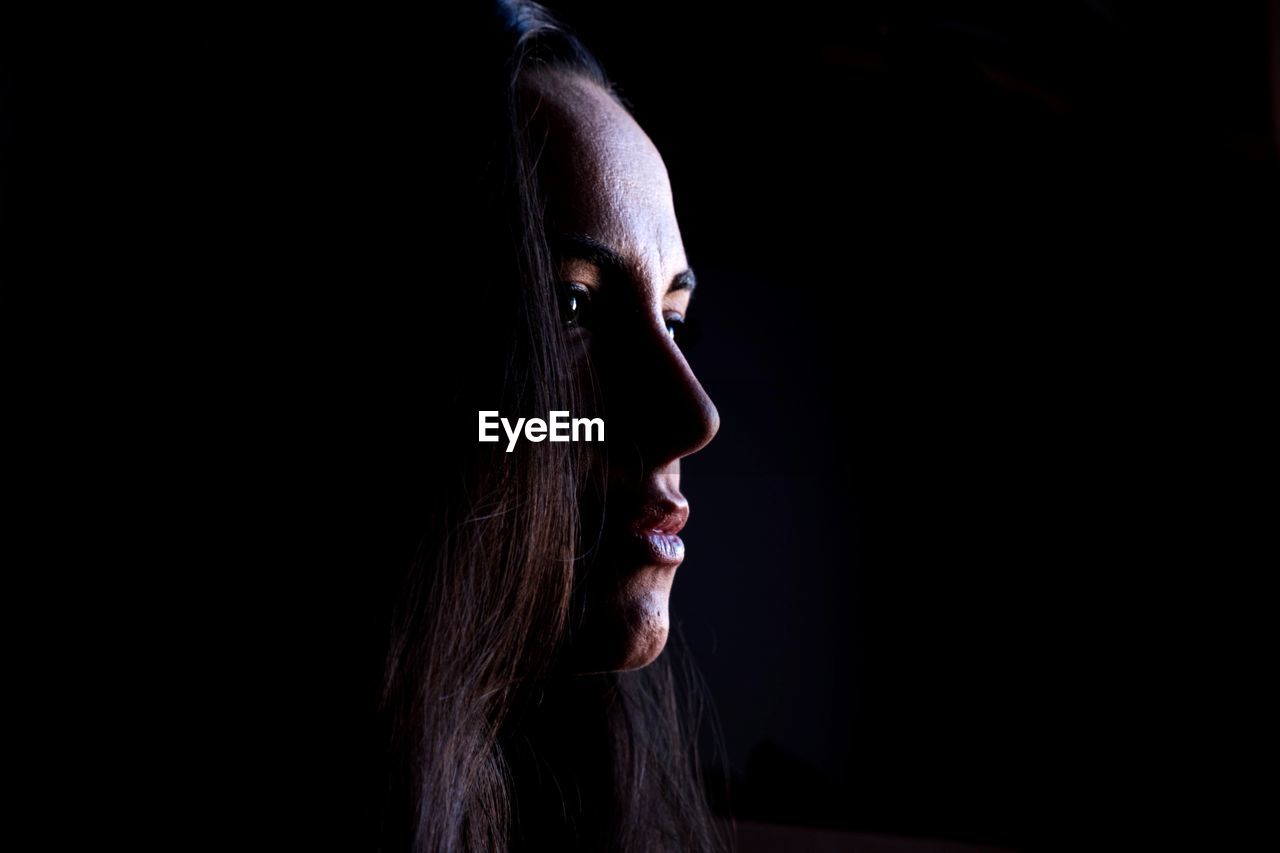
[626, 287]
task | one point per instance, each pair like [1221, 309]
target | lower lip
[664, 549]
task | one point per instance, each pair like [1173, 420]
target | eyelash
[577, 309]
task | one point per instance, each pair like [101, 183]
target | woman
[527, 701]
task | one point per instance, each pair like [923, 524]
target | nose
[659, 406]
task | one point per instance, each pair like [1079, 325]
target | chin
[629, 633]
[643, 650]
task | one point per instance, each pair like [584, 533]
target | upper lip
[662, 514]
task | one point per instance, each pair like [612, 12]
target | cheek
[585, 376]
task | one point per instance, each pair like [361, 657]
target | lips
[652, 532]
[664, 515]
[662, 549]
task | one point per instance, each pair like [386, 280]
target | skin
[606, 185]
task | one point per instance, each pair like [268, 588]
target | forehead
[602, 175]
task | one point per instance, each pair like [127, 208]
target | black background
[981, 304]
[963, 271]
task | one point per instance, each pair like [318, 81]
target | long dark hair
[489, 745]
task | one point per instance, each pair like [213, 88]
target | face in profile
[625, 289]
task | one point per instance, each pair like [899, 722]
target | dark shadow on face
[626, 288]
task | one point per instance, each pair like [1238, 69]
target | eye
[675, 327]
[575, 304]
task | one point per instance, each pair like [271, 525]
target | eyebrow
[607, 258]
